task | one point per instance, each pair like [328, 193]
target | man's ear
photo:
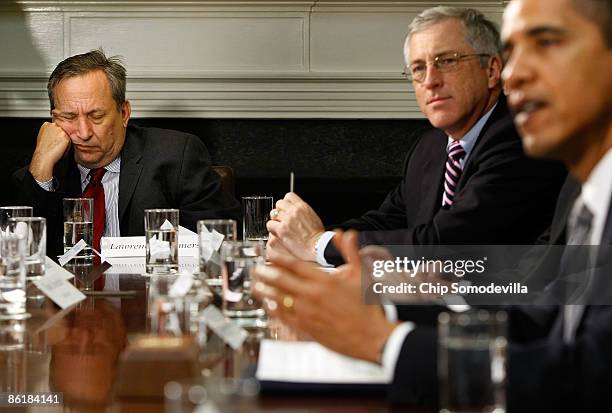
[126, 112]
[494, 71]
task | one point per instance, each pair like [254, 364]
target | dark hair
[600, 12]
[89, 62]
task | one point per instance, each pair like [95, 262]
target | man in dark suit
[559, 356]
[459, 179]
[90, 149]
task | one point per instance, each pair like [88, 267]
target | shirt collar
[596, 193]
[469, 139]
[114, 167]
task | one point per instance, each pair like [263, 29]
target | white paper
[230, 332]
[21, 230]
[72, 252]
[60, 291]
[167, 225]
[159, 249]
[51, 268]
[181, 285]
[14, 296]
[310, 362]
[185, 231]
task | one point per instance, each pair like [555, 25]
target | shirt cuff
[456, 303]
[390, 312]
[320, 248]
[393, 346]
[46, 185]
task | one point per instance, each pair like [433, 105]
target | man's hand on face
[294, 227]
[52, 144]
[327, 307]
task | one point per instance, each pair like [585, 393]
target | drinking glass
[7, 212]
[471, 361]
[161, 230]
[34, 232]
[239, 258]
[213, 233]
[78, 225]
[173, 314]
[13, 293]
[256, 211]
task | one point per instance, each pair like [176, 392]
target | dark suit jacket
[502, 197]
[544, 373]
[159, 169]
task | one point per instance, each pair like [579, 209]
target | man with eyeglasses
[558, 55]
[465, 182]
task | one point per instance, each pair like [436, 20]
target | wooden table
[81, 352]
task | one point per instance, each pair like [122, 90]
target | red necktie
[95, 190]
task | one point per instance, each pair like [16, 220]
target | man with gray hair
[558, 55]
[465, 182]
[89, 149]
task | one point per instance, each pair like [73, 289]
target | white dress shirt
[110, 182]
[595, 195]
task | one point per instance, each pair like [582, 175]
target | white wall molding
[204, 58]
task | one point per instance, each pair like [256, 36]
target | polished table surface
[79, 353]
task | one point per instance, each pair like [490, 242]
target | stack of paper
[309, 362]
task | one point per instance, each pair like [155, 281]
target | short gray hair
[600, 12]
[82, 64]
[480, 33]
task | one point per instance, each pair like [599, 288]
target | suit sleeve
[547, 374]
[510, 197]
[200, 195]
[415, 380]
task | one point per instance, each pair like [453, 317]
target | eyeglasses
[446, 62]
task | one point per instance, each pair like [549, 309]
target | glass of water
[256, 211]
[78, 225]
[239, 258]
[34, 232]
[161, 231]
[12, 291]
[213, 233]
[472, 361]
[7, 212]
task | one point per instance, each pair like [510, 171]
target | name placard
[117, 247]
[60, 291]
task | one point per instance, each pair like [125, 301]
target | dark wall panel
[342, 167]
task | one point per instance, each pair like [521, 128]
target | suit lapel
[433, 174]
[500, 111]
[130, 168]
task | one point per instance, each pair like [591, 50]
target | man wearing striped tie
[558, 55]
[465, 182]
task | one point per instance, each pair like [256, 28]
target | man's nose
[516, 71]
[84, 130]
[433, 77]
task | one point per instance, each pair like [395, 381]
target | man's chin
[538, 146]
[87, 161]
